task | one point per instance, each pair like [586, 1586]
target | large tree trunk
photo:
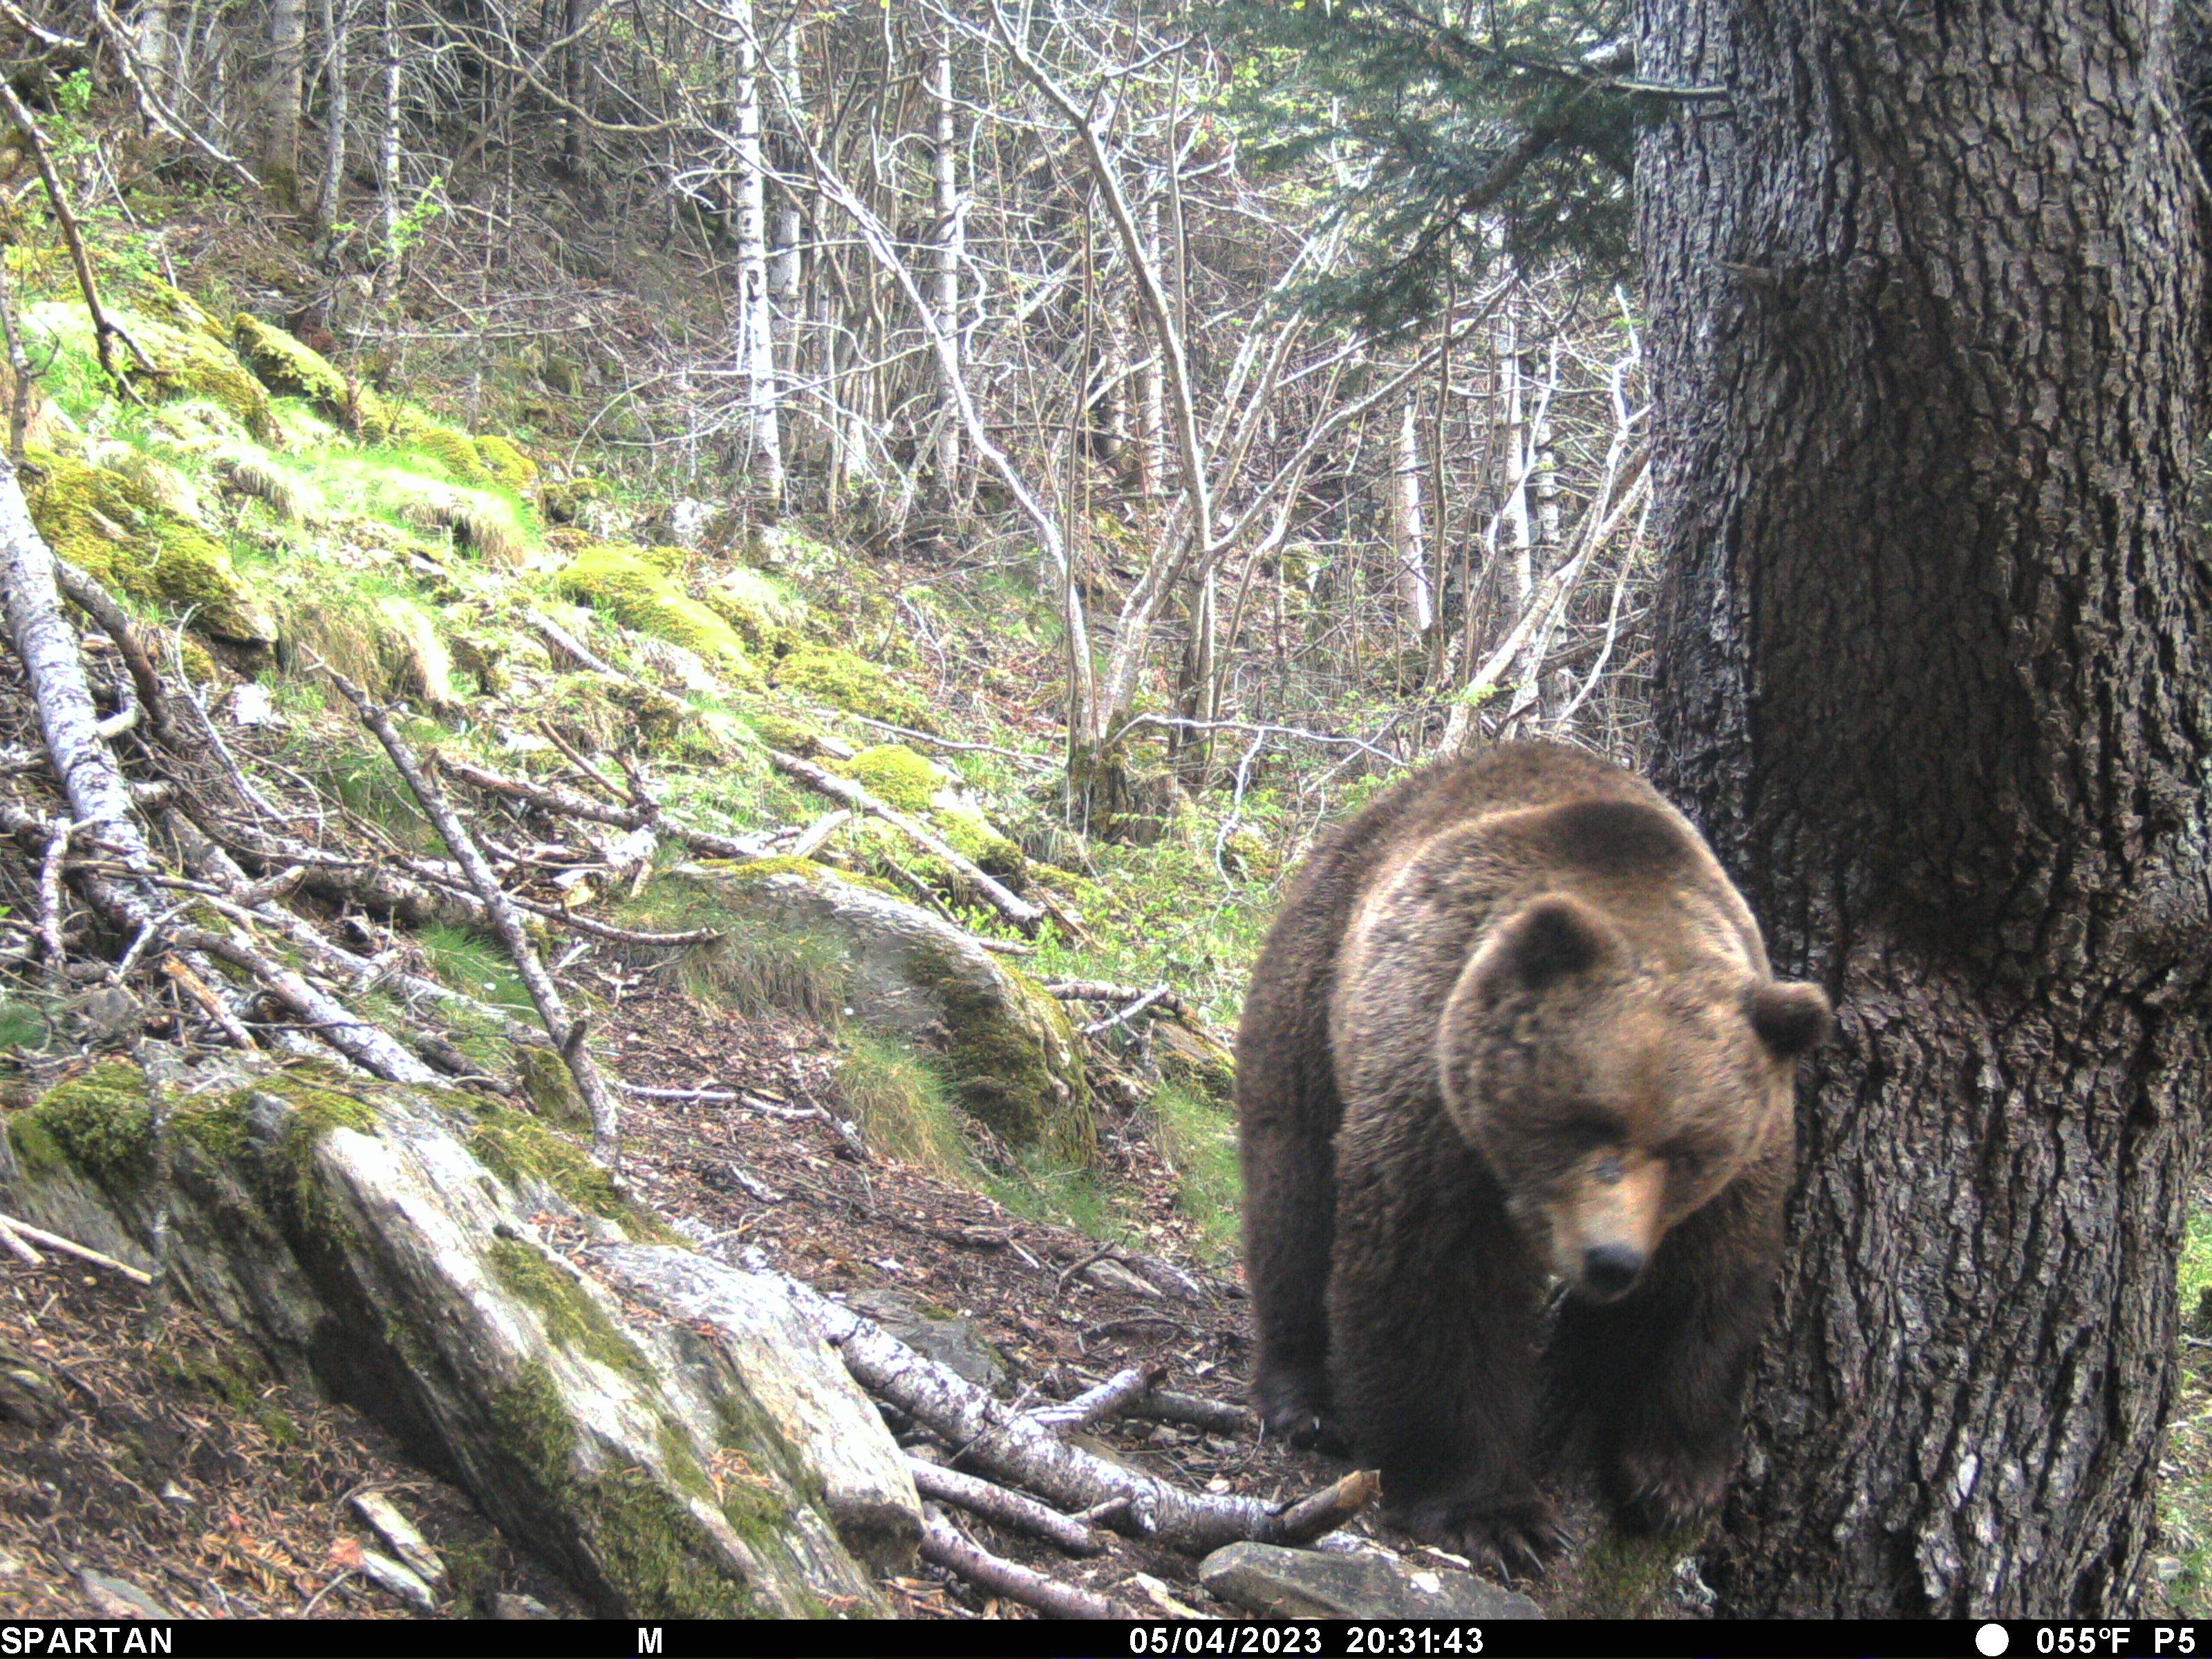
[280, 98]
[1930, 332]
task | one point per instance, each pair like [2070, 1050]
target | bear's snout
[1610, 1270]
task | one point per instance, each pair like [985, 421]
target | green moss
[189, 363]
[793, 737]
[897, 775]
[287, 367]
[852, 683]
[551, 1087]
[452, 449]
[34, 1145]
[1197, 1139]
[515, 1146]
[531, 1425]
[217, 1127]
[658, 1554]
[763, 610]
[566, 499]
[669, 560]
[98, 1122]
[117, 530]
[1021, 1075]
[573, 1320]
[152, 297]
[505, 462]
[622, 582]
[317, 1108]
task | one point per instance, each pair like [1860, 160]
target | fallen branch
[1092, 990]
[567, 1034]
[70, 1247]
[1109, 1399]
[995, 1437]
[562, 640]
[12, 1242]
[1100, 1027]
[550, 798]
[1194, 1411]
[1008, 1508]
[946, 1549]
[100, 605]
[1010, 905]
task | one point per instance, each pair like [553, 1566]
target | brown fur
[1514, 1022]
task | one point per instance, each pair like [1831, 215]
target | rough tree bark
[280, 98]
[1930, 333]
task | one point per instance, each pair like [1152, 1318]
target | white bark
[337, 21]
[387, 168]
[1416, 602]
[46, 646]
[756, 338]
[948, 250]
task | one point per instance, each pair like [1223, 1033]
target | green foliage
[470, 963]
[1446, 127]
[1198, 1138]
[905, 1108]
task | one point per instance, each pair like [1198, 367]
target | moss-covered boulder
[452, 449]
[503, 459]
[629, 587]
[764, 610]
[1005, 1047]
[289, 368]
[826, 674]
[118, 529]
[390, 1247]
[180, 362]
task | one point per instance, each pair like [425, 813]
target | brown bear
[1513, 1026]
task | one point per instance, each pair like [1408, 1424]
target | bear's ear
[1547, 939]
[1791, 1016]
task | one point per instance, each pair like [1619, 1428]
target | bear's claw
[1667, 1491]
[1296, 1413]
[1512, 1539]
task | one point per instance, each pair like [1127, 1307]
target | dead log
[946, 1549]
[995, 1436]
[1010, 905]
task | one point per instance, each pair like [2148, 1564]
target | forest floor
[188, 1472]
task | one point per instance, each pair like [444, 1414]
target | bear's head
[1611, 1099]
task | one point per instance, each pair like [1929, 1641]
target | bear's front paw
[1295, 1407]
[1667, 1489]
[1510, 1537]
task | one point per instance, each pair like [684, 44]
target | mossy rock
[151, 296]
[116, 529]
[852, 683]
[623, 583]
[1008, 1054]
[566, 499]
[99, 1123]
[289, 368]
[452, 448]
[505, 461]
[181, 363]
[765, 612]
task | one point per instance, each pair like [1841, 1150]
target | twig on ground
[70, 1247]
[12, 1242]
[1109, 1399]
[944, 1547]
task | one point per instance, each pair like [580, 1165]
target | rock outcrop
[675, 1436]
